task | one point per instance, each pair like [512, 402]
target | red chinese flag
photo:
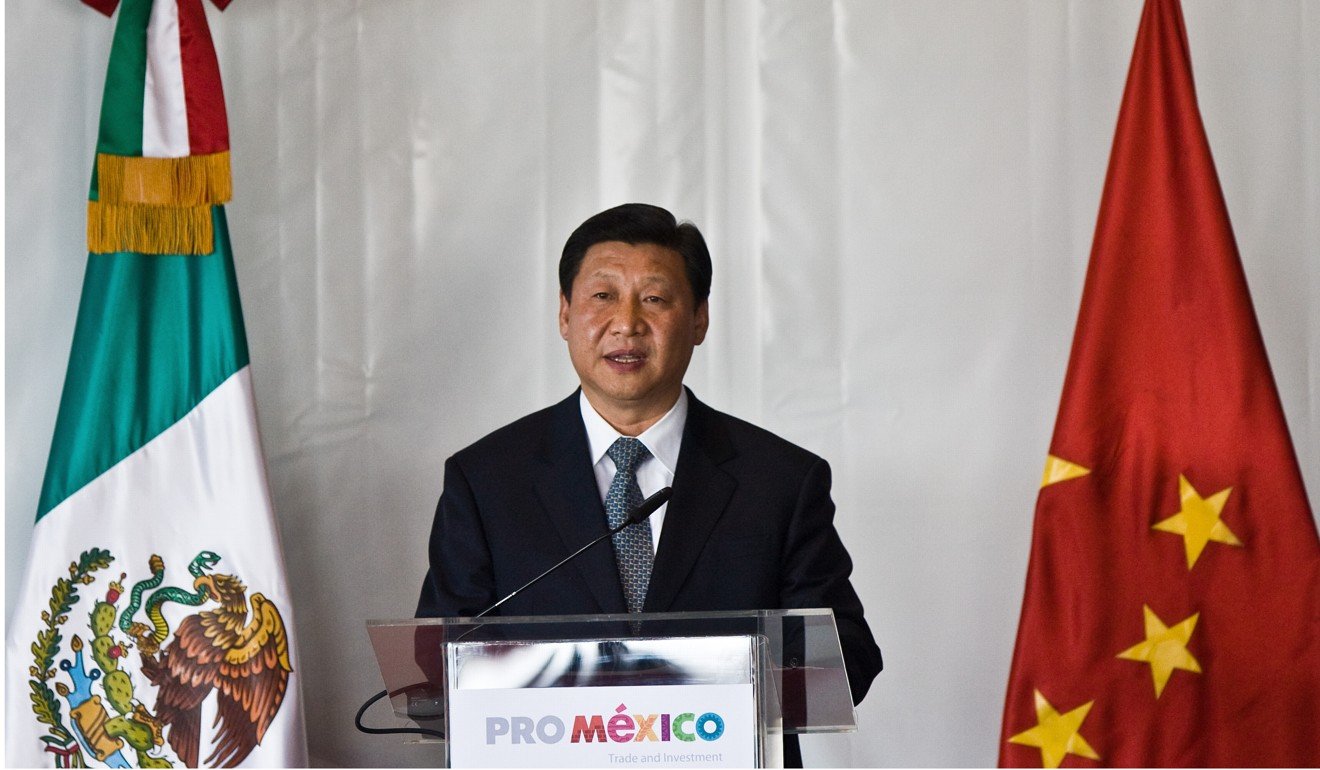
[1172, 607]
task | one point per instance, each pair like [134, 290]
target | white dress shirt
[656, 472]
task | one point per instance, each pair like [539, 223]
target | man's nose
[628, 317]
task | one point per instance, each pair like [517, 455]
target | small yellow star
[1198, 521]
[1058, 469]
[1055, 734]
[1165, 649]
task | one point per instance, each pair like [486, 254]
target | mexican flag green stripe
[121, 106]
[155, 334]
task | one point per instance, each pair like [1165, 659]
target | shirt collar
[663, 440]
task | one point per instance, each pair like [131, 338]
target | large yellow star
[1165, 649]
[1198, 521]
[1055, 734]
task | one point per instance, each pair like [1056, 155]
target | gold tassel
[149, 229]
[194, 180]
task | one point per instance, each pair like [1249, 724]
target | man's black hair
[634, 224]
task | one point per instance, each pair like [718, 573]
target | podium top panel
[801, 657]
[716, 619]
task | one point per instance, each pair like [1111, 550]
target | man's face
[630, 326]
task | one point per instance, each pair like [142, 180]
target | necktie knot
[627, 453]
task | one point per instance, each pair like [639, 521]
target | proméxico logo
[619, 728]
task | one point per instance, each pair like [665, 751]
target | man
[750, 523]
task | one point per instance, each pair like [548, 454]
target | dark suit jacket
[750, 526]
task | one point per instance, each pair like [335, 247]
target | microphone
[644, 510]
[639, 514]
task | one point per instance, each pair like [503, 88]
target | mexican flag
[154, 626]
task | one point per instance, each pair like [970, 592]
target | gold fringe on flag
[149, 229]
[193, 180]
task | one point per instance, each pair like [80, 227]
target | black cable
[357, 721]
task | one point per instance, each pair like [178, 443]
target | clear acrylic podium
[698, 689]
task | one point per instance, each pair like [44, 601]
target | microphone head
[649, 506]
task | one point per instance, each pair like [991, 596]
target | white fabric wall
[899, 197]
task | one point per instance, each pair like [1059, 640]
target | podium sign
[677, 689]
[670, 702]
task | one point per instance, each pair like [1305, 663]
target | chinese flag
[1172, 607]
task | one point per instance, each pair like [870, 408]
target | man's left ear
[702, 321]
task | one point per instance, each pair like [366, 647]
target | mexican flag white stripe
[164, 110]
[198, 486]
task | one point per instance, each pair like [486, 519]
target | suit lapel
[701, 492]
[567, 490]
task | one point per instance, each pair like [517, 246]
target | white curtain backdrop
[899, 198]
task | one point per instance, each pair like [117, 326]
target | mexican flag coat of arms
[154, 626]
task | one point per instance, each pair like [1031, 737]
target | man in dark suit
[750, 523]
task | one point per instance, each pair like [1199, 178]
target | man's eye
[654, 299]
[601, 295]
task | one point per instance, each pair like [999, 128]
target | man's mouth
[625, 357]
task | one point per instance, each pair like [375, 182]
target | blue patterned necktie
[632, 546]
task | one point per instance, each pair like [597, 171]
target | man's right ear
[563, 316]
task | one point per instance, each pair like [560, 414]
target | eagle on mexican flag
[154, 624]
